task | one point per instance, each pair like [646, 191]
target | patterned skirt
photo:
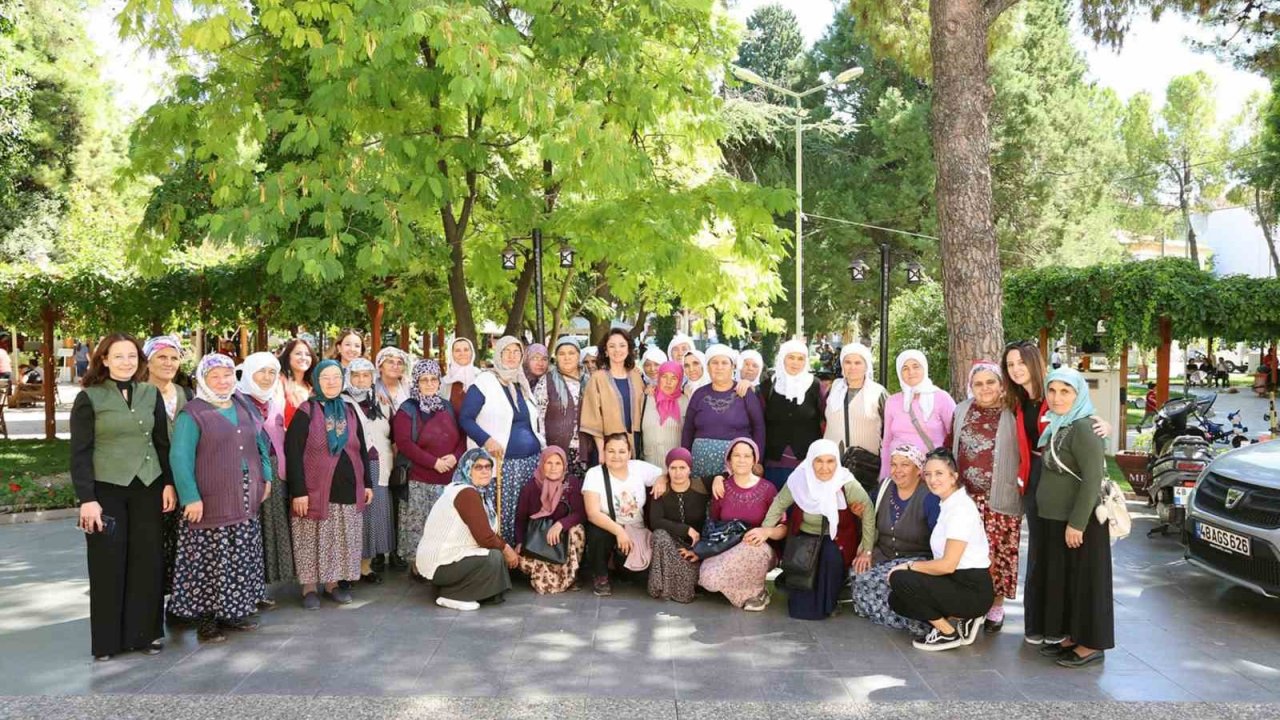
[218, 573]
[1003, 534]
[413, 516]
[516, 473]
[577, 463]
[671, 576]
[737, 573]
[548, 578]
[871, 598]
[378, 532]
[708, 457]
[277, 539]
[169, 523]
[326, 551]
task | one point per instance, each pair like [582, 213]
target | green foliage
[773, 45]
[917, 322]
[33, 458]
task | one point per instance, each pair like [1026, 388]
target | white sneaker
[464, 605]
[936, 641]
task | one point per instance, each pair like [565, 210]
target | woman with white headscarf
[260, 389]
[375, 415]
[391, 365]
[792, 412]
[830, 499]
[855, 415]
[751, 367]
[695, 370]
[716, 414]
[222, 470]
[498, 414]
[680, 346]
[462, 373]
[920, 414]
[649, 364]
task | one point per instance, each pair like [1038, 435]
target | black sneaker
[1055, 650]
[397, 563]
[372, 578]
[601, 587]
[968, 629]
[378, 564]
[936, 641]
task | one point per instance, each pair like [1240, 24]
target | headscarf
[459, 373]
[715, 351]
[680, 339]
[590, 351]
[510, 376]
[668, 404]
[557, 379]
[428, 404]
[1083, 406]
[335, 408]
[792, 387]
[815, 496]
[910, 452]
[925, 389]
[550, 490]
[387, 352]
[208, 363]
[462, 476]
[653, 354]
[160, 342]
[706, 376]
[678, 453]
[872, 391]
[529, 353]
[755, 450]
[250, 367]
[402, 393]
[366, 398]
[981, 366]
[751, 355]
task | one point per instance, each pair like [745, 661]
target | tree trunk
[47, 315]
[1162, 361]
[376, 308]
[404, 337]
[1123, 432]
[262, 340]
[1184, 203]
[1264, 220]
[558, 316]
[515, 316]
[972, 286]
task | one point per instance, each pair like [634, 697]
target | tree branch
[993, 9]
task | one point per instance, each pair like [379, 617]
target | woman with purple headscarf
[739, 573]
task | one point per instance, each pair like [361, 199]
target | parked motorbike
[1173, 477]
[1172, 422]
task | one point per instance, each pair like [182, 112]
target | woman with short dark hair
[612, 398]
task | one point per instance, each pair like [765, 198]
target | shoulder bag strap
[608, 492]
[848, 400]
[884, 487]
[924, 436]
[1053, 453]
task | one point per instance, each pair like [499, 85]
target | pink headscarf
[552, 490]
[669, 404]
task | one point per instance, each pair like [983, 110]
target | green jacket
[122, 445]
[1061, 495]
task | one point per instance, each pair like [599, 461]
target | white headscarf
[459, 373]
[680, 340]
[872, 391]
[251, 365]
[510, 376]
[706, 374]
[751, 355]
[792, 387]
[653, 354]
[715, 351]
[815, 496]
[925, 389]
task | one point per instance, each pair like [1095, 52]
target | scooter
[1171, 423]
[1173, 477]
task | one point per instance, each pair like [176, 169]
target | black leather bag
[864, 465]
[718, 537]
[800, 559]
[537, 547]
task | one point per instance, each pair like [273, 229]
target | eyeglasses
[481, 466]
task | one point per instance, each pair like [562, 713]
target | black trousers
[1033, 617]
[962, 594]
[600, 546]
[126, 569]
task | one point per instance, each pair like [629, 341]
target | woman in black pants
[956, 583]
[120, 470]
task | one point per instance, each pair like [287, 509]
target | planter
[1136, 469]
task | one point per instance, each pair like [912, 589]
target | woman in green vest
[120, 469]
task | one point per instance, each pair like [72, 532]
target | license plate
[1180, 495]
[1224, 540]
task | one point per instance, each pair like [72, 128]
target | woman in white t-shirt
[616, 519]
[956, 583]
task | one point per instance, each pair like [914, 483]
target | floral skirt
[708, 457]
[1003, 535]
[516, 473]
[277, 538]
[737, 573]
[326, 551]
[671, 576]
[871, 598]
[219, 571]
[413, 516]
[378, 532]
[548, 578]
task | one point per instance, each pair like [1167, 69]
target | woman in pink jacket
[919, 415]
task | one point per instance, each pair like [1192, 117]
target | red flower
[14, 487]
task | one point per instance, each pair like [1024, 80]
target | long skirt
[327, 551]
[577, 463]
[737, 573]
[549, 578]
[126, 569]
[473, 578]
[1033, 618]
[871, 598]
[277, 537]
[708, 457]
[1076, 585]
[516, 473]
[671, 576]
[169, 527]
[219, 573]
[378, 538]
[413, 516]
[820, 602]
[1003, 534]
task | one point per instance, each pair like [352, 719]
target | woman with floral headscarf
[739, 573]
[259, 389]
[920, 414]
[905, 513]
[498, 415]
[536, 362]
[375, 418]
[222, 470]
[426, 433]
[390, 387]
[556, 495]
[164, 359]
[461, 552]
[559, 399]
[792, 412]
[327, 467]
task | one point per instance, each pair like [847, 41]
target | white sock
[465, 605]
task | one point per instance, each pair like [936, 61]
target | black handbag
[863, 464]
[537, 547]
[800, 559]
[718, 537]
[398, 481]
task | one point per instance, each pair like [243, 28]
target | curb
[39, 516]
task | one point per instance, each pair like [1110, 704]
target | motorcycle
[1173, 477]
[1172, 422]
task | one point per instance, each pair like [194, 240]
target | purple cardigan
[569, 513]
[741, 417]
[898, 428]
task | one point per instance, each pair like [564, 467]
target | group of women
[693, 470]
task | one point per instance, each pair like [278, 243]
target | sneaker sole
[1032, 640]
[938, 647]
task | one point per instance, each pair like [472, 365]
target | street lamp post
[751, 77]
[858, 273]
[514, 248]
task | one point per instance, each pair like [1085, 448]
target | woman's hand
[648, 389]
[266, 491]
[688, 556]
[1075, 538]
[511, 556]
[624, 541]
[368, 495]
[744, 387]
[1101, 427]
[450, 462]
[168, 499]
[441, 466]
[858, 509]
[492, 447]
[90, 517]
[193, 512]
[894, 569]
[659, 487]
[300, 506]
[694, 536]
[756, 537]
[717, 487]
[862, 563]
[553, 534]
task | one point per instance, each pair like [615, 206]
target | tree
[773, 45]
[1255, 167]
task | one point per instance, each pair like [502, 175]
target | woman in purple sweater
[552, 494]
[920, 415]
[426, 432]
[717, 414]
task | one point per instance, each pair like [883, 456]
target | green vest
[122, 447]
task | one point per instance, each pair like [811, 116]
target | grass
[1117, 476]
[34, 458]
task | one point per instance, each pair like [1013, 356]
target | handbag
[800, 559]
[863, 464]
[717, 537]
[402, 466]
[537, 547]
[1111, 509]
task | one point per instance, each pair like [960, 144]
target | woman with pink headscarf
[662, 419]
[556, 495]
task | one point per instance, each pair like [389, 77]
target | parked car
[1233, 528]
